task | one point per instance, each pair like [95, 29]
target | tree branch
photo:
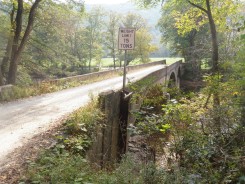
[197, 6]
[29, 25]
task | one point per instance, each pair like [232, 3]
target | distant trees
[55, 43]
[94, 27]
[50, 39]
[143, 45]
[111, 35]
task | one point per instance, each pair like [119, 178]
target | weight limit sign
[126, 39]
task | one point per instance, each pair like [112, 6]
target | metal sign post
[124, 70]
[126, 41]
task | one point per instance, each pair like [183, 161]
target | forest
[196, 136]
[47, 39]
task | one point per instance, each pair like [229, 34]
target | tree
[111, 35]
[94, 26]
[54, 48]
[192, 45]
[143, 46]
[8, 9]
[208, 9]
[214, 13]
[203, 11]
[19, 43]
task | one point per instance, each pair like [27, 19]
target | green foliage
[195, 18]
[129, 171]
[203, 154]
[79, 129]
[57, 168]
[201, 149]
[149, 118]
[191, 46]
[143, 47]
[155, 97]
[65, 163]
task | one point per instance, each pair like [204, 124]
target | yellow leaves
[188, 19]
[143, 44]
[235, 93]
[222, 11]
[191, 19]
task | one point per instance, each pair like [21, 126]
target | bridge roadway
[21, 120]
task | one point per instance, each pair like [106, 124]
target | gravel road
[21, 120]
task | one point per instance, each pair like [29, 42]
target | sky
[105, 1]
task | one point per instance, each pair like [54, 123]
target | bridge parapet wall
[102, 74]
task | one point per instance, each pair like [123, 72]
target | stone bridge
[169, 75]
[111, 141]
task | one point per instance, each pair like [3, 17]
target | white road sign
[126, 39]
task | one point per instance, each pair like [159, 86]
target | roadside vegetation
[65, 162]
[180, 130]
[184, 134]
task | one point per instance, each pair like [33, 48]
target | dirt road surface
[21, 120]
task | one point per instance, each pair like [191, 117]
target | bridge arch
[172, 82]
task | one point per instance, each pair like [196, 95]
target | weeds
[65, 162]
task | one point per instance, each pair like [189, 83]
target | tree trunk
[90, 57]
[13, 62]
[89, 65]
[215, 55]
[215, 51]
[215, 60]
[243, 114]
[215, 47]
[5, 61]
[17, 48]
[1, 78]
[242, 102]
[191, 55]
[114, 59]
